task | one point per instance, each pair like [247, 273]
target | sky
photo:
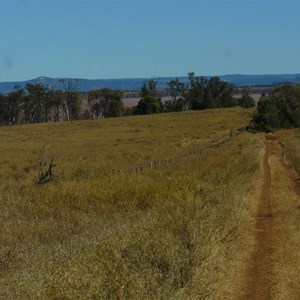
[147, 38]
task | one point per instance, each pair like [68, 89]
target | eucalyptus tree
[13, 105]
[149, 88]
[3, 111]
[176, 88]
[71, 101]
[37, 103]
[106, 103]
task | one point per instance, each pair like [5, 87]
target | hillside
[172, 206]
[159, 232]
[130, 84]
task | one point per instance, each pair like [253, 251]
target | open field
[222, 223]
[182, 230]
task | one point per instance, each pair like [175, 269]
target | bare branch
[45, 176]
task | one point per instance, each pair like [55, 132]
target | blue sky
[146, 38]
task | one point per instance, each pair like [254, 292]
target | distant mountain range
[132, 84]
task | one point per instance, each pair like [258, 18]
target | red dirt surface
[261, 271]
[262, 259]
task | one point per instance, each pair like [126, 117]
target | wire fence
[167, 161]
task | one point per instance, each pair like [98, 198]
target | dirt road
[261, 271]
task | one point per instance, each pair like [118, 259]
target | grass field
[183, 230]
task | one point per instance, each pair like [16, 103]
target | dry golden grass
[287, 254]
[180, 231]
[287, 226]
[291, 142]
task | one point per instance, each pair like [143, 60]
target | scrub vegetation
[183, 230]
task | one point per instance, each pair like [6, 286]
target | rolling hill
[129, 84]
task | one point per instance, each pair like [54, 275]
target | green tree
[74, 104]
[280, 109]
[221, 93]
[246, 101]
[148, 105]
[71, 101]
[37, 103]
[57, 100]
[149, 88]
[13, 105]
[175, 105]
[202, 93]
[106, 103]
[176, 88]
[3, 110]
[195, 91]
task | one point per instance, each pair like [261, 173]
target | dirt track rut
[262, 260]
[261, 271]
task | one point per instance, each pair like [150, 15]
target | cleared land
[186, 229]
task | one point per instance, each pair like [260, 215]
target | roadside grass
[286, 267]
[291, 141]
[181, 231]
[286, 222]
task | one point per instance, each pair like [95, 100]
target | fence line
[158, 163]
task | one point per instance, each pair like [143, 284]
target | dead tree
[46, 169]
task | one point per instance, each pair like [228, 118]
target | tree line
[38, 103]
[198, 93]
[279, 109]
